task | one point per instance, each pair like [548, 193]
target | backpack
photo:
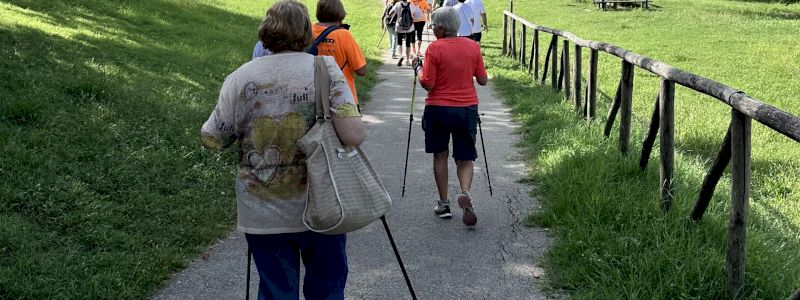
[322, 36]
[390, 21]
[406, 20]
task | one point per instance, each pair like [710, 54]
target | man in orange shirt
[451, 108]
[339, 43]
[419, 23]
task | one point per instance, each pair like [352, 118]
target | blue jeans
[392, 38]
[277, 258]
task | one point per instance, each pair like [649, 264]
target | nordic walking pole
[399, 260]
[485, 160]
[382, 35]
[408, 141]
[247, 290]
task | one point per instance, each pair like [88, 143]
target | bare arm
[362, 71]
[350, 130]
[427, 87]
[482, 80]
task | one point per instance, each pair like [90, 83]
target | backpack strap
[321, 37]
[322, 85]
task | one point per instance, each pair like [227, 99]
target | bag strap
[322, 36]
[322, 86]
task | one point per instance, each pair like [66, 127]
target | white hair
[446, 18]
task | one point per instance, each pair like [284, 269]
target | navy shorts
[408, 36]
[476, 36]
[441, 122]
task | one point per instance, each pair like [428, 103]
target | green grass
[104, 188]
[612, 240]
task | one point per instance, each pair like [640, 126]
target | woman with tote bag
[264, 107]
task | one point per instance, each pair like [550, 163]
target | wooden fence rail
[735, 148]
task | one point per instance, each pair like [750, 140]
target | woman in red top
[451, 108]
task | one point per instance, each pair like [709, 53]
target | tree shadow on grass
[778, 14]
[101, 125]
[599, 199]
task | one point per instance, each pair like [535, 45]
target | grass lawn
[104, 188]
[613, 241]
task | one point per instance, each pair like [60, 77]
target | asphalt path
[497, 259]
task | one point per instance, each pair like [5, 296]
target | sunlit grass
[613, 241]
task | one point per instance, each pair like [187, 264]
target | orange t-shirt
[424, 7]
[342, 46]
[450, 66]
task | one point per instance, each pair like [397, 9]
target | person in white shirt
[404, 28]
[467, 17]
[480, 19]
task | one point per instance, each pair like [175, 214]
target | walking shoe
[408, 62]
[400, 62]
[465, 202]
[442, 210]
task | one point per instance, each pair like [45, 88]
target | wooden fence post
[576, 89]
[652, 132]
[513, 27]
[667, 166]
[522, 38]
[547, 58]
[536, 46]
[591, 84]
[513, 38]
[554, 62]
[712, 178]
[740, 195]
[505, 34]
[567, 86]
[612, 110]
[561, 71]
[626, 101]
[529, 65]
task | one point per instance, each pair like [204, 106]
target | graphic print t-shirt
[267, 105]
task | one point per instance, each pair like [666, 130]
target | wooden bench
[602, 4]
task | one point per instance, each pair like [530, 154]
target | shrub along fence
[735, 148]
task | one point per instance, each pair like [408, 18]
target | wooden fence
[735, 148]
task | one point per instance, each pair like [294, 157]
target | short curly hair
[286, 26]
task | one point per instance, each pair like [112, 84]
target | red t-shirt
[449, 67]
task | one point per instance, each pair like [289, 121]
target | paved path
[495, 260]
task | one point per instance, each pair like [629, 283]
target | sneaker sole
[469, 218]
[445, 215]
